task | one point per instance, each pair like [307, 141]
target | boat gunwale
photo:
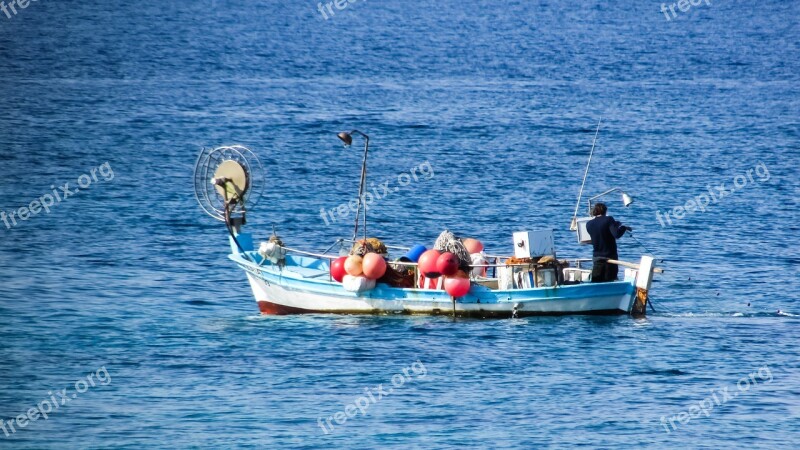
[260, 269]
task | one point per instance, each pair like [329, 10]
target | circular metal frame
[212, 160]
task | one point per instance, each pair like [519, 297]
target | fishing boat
[367, 276]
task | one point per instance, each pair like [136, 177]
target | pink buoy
[457, 287]
[374, 266]
[352, 265]
[472, 245]
[447, 264]
[427, 264]
[337, 268]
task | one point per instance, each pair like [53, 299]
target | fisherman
[604, 231]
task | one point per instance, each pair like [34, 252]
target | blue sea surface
[122, 293]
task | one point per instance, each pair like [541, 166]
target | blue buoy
[415, 252]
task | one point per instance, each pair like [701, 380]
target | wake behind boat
[454, 277]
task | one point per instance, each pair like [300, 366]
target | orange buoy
[472, 245]
[353, 265]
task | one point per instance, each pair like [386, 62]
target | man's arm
[617, 229]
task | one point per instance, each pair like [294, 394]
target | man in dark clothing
[604, 232]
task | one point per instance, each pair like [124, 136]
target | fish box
[573, 274]
[529, 244]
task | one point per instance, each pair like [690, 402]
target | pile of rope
[448, 242]
[370, 245]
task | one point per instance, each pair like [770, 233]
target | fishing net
[448, 242]
[398, 277]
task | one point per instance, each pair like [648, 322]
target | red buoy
[427, 264]
[457, 287]
[337, 268]
[447, 264]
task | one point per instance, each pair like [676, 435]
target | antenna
[574, 224]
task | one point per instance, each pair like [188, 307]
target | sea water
[122, 320]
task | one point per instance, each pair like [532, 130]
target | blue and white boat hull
[303, 286]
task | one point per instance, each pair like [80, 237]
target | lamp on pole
[626, 199]
[347, 138]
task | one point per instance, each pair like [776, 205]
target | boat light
[626, 199]
[346, 137]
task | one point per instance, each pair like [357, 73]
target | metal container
[545, 277]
